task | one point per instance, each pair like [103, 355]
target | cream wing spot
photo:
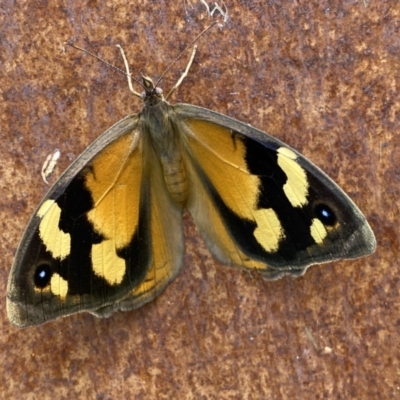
[106, 262]
[269, 231]
[296, 187]
[318, 231]
[57, 242]
[59, 286]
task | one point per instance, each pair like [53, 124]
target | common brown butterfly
[108, 235]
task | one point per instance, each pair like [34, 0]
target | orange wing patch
[115, 196]
[222, 157]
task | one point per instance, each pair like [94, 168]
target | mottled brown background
[320, 75]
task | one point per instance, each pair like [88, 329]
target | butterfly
[108, 235]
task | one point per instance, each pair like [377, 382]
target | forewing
[260, 204]
[88, 243]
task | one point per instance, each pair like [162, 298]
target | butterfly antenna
[182, 53]
[126, 72]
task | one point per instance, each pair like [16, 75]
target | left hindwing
[260, 204]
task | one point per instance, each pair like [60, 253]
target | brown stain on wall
[323, 77]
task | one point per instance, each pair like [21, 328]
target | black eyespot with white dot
[325, 214]
[42, 276]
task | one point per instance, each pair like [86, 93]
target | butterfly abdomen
[165, 140]
[175, 177]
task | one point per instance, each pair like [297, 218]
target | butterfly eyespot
[325, 214]
[42, 276]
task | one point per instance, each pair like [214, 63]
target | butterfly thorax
[160, 130]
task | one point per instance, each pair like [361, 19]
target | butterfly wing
[98, 235]
[260, 204]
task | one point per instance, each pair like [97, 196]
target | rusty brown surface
[321, 76]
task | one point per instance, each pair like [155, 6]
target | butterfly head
[152, 95]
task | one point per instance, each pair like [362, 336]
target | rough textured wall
[320, 75]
